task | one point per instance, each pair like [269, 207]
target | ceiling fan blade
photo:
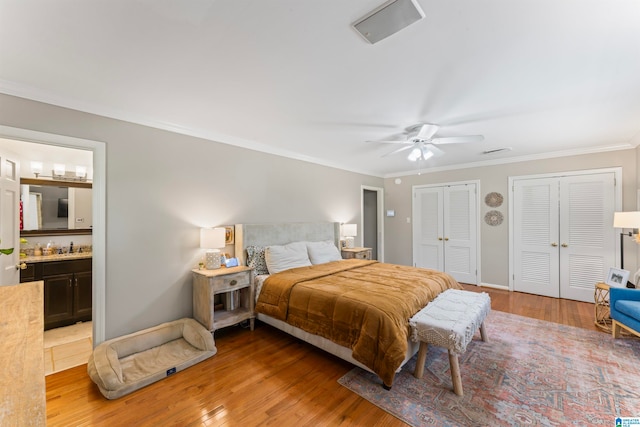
[426, 131]
[402, 141]
[435, 150]
[399, 150]
[457, 139]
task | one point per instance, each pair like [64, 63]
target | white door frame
[617, 171]
[379, 214]
[99, 211]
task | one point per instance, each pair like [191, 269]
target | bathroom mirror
[55, 207]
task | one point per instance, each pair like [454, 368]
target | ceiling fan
[423, 144]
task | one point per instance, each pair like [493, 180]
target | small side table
[601, 297]
[357, 253]
[209, 283]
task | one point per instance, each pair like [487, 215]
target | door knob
[564, 245]
[22, 266]
[439, 238]
[446, 239]
[554, 244]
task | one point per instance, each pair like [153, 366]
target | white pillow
[281, 258]
[322, 252]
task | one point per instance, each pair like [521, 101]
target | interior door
[445, 230]
[587, 239]
[460, 232]
[10, 217]
[536, 247]
[428, 228]
[370, 221]
[563, 239]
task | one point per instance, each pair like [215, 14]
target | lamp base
[349, 242]
[212, 259]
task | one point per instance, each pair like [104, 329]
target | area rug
[531, 372]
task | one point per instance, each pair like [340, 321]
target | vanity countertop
[57, 257]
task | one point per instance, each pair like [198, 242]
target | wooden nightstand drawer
[356, 253]
[231, 281]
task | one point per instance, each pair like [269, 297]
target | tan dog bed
[125, 364]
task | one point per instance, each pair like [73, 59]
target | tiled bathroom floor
[67, 347]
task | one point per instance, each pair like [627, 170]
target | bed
[355, 309]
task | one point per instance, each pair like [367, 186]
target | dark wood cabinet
[67, 290]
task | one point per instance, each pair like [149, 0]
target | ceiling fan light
[427, 154]
[415, 154]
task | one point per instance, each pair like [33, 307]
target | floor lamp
[627, 220]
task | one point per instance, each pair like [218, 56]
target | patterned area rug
[531, 372]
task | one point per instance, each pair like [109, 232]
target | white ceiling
[294, 78]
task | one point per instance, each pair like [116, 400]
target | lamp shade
[350, 230]
[626, 219]
[212, 238]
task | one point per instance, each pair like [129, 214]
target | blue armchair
[625, 310]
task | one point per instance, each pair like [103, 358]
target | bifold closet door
[587, 236]
[536, 225]
[445, 230]
[564, 242]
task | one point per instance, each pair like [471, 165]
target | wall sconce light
[349, 231]
[59, 170]
[212, 239]
[81, 172]
[36, 168]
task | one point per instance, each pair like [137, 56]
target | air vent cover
[388, 19]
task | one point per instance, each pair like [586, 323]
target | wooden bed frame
[281, 234]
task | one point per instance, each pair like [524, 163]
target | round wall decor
[493, 218]
[493, 199]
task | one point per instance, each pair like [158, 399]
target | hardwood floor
[264, 377]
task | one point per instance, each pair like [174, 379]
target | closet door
[536, 228]
[460, 232]
[564, 242]
[445, 230]
[428, 228]
[587, 237]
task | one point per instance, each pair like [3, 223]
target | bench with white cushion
[450, 321]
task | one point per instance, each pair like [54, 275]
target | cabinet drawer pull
[233, 282]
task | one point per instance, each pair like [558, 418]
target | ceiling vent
[388, 19]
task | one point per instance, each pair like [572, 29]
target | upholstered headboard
[281, 234]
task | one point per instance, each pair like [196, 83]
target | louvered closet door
[536, 228]
[460, 232]
[445, 230]
[587, 238]
[428, 228]
[564, 242]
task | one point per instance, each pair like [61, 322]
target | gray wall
[495, 240]
[162, 187]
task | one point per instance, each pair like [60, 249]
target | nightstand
[236, 292]
[357, 253]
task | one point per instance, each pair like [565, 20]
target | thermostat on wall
[391, 212]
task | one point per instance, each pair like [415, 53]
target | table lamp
[212, 239]
[349, 231]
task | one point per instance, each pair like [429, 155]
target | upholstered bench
[450, 321]
[125, 364]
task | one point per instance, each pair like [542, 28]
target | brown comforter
[360, 304]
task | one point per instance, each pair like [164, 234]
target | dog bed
[122, 365]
